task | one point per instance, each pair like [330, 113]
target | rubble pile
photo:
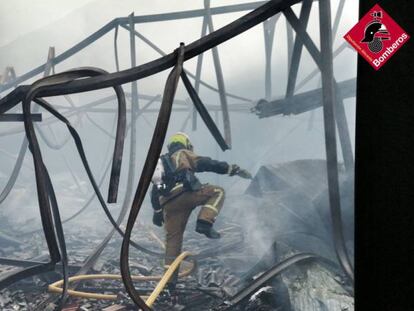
[228, 273]
[215, 279]
[202, 287]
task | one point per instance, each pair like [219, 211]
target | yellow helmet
[180, 138]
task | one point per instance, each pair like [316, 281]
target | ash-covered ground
[284, 212]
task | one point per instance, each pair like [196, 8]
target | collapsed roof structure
[288, 179]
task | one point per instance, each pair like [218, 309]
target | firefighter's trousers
[178, 210]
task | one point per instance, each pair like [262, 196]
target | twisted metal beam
[67, 86]
[268, 275]
[324, 60]
[122, 21]
[340, 116]
[211, 125]
[220, 78]
[329, 99]
[50, 219]
[191, 75]
[23, 148]
[297, 49]
[198, 73]
[311, 75]
[146, 175]
[116, 48]
[199, 46]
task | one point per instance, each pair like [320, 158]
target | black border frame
[384, 191]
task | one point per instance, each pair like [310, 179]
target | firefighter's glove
[158, 218]
[236, 170]
[244, 174]
[233, 169]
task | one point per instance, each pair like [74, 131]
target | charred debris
[298, 271]
[304, 258]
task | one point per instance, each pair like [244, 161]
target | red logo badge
[377, 37]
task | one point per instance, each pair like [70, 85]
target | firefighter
[179, 192]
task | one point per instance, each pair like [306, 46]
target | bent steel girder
[204, 112]
[85, 162]
[115, 224]
[116, 48]
[87, 108]
[340, 116]
[199, 46]
[61, 238]
[44, 197]
[133, 132]
[297, 49]
[220, 78]
[301, 102]
[324, 60]
[79, 146]
[198, 73]
[314, 73]
[23, 148]
[83, 208]
[198, 69]
[329, 100]
[175, 59]
[95, 254]
[123, 21]
[147, 172]
[268, 275]
[120, 131]
[45, 189]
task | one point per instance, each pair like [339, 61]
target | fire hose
[56, 287]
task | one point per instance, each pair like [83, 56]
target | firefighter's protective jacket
[186, 160]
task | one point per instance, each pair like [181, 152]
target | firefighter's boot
[206, 228]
